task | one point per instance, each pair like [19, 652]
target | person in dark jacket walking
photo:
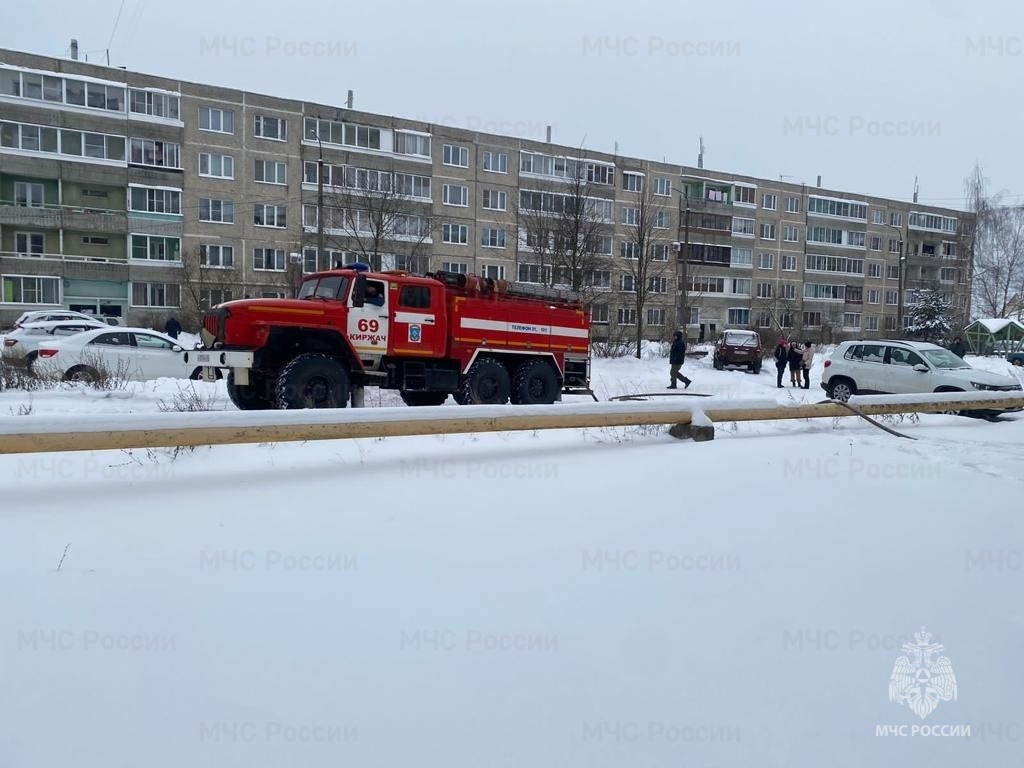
[958, 347]
[173, 328]
[781, 359]
[676, 358]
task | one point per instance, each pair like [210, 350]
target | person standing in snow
[781, 357]
[808, 361]
[958, 347]
[796, 361]
[676, 358]
[172, 328]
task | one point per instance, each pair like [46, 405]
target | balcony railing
[65, 257]
[63, 217]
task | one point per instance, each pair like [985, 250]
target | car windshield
[740, 340]
[943, 358]
[324, 288]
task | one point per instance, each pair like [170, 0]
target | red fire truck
[475, 338]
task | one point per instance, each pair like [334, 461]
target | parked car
[737, 347]
[21, 345]
[54, 315]
[1015, 358]
[905, 367]
[133, 354]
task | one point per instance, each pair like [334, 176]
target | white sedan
[128, 354]
[19, 346]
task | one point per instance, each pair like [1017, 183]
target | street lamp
[315, 134]
[902, 262]
[684, 309]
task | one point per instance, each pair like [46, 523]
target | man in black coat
[781, 359]
[172, 328]
[676, 358]
[958, 347]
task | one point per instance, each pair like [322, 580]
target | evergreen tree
[930, 316]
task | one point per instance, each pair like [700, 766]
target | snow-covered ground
[601, 597]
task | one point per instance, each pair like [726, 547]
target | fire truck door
[368, 324]
[417, 326]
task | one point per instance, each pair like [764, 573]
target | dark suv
[736, 347]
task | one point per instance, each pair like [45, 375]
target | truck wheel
[313, 381]
[251, 397]
[535, 384]
[487, 383]
[424, 398]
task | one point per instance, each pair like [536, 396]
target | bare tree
[996, 249]
[539, 226]
[205, 281]
[646, 253]
[374, 213]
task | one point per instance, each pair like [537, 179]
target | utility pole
[684, 309]
[319, 196]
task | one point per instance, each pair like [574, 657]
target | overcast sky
[868, 94]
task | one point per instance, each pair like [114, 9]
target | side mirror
[359, 291]
[176, 348]
[921, 368]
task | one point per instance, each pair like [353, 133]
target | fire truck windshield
[332, 287]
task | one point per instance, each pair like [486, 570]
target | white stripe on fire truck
[480, 324]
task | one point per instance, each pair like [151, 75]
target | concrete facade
[144, 197]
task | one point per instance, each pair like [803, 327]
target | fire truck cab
[480, 340]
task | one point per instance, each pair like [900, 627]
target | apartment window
[854, 294]
[819, 263]
[700, 284]
[875, 269]
[154, 103]
[896, 219]
[812, 319]
[30, 243]
[789, 262]
[154, 248]
[630, 250]
[763, 319]
[216, 255]
[656, 316]
[660, 251]
[455, 233]
[787, 291]
[871, 323]
[791, 233]
[739, 316]
[28, 194]
[839, 208]
[632, 182]
[599, 313]
[411, 185]
[216, 166]
[662, 219]
[626, 316]
[217, 211]
[769, 202]
[603, 245]
[271, 172]
[875, 243]
[657, 285]
[414, 144]
[265, 215]
[824, 292]
[268, 259]
[890, 323]
[493, 271]
[598, 173]
[154, 200]
[877, 216]
[630, 215]
[454, 155]
[216, 120]
[95, 240]
[627, 283]
[739, 286]
[855, 239]
[363, 136]
[266, 127]
[455, 194]
[792, 205]
[459, 267]
[767, 231]
[873, 296]
[534, 273]
[893, 272]
[598, 278]
[492, 237]
[496, 162]
[765, 290]
[746, 196]
[495, 200]
[825, 235]
[156, 295]
[211, 297]
[741, 257]
[743, 227]
[663, 187]
[892, 298]
[25, 289]
[947, 275]
[162, 154]
[766, 261]
[949, 250]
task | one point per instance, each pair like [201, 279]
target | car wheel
[952, 411]
[197, 374]
[841, 390]
[83, 374]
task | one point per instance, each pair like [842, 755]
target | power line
[114, 30]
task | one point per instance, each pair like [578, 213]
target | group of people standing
[798, 359]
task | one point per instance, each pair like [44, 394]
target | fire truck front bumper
[209, 360]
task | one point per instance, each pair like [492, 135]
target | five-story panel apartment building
[143, 197]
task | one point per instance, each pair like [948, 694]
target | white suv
[903, 367]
